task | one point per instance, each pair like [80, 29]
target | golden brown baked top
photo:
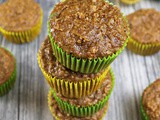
[19, 15]
[151, 100]
[55, 69]
[63, 116]
[95, 97]
[7, 65]
[88, 28]
[145, 25]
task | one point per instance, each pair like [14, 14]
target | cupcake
[130, 1]
[21, 20]
[88, 105]
[87, 35]
[145, 31]
[7, 71]
[150, 104]
[61, 115]
[64, 81]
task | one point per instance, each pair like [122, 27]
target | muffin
[145, 31]
[150, 104]
[21, 20]
[7, 71]
[89, 105]
[87, 35]
[130, 1]
[64, 81]
[60, 115]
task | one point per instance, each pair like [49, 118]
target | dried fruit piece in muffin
[7, 71]
[150, 104]
[145, 31]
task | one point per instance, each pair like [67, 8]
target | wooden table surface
[28, 99]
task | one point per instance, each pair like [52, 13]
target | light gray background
[28, 98]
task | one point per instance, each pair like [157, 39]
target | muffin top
[151, 100]
[55, 69]
[19, 15]
[88, 28]
[145, 25]
[7, 65]
[95, 97]
[63, 116]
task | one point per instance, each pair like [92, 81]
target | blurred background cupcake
[21, 20]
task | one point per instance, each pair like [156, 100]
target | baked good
[87, 35]
[130, 1]
[7, 71]
[145, 31]
[89, 105]
[21, 20]
[64, 81]
[60, 115]
[150, 104]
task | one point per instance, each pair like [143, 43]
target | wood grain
[28, 99]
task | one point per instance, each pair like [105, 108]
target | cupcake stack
[84, 38]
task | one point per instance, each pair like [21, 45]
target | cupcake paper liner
[20, 37]
[143, 49]
[80, 64]
[73, 89]
[83, 111]
[143, 113]
[5, 87]
[53, 111]
[130, 1]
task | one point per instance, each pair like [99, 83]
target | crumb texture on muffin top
[7, 65]
[19, 15]
[88, 28]
[151, 100]
[145, 25]
[55, 69]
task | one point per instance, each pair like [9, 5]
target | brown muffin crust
[63, 116]
[151, 100]
[88, 28]
[95, 97]
[19, 15]
[145, 25]
[7, 65]
[55, 69]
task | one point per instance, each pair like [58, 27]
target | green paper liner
[6, 86]
[143, 49]
[83, 111]
[54, 112]
[20, 37]
[130, 1]
[74, 89]
[80, 64]
[143, 113]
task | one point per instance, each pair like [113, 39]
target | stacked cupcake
[85, 36]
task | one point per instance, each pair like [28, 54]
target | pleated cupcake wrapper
[130, 1]
[142, 49]
[73, 89]
[54, 114]
[83, 111]
[80, 64]
[5, 87]
[20, 37]
[143, 113]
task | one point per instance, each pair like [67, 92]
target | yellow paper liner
[130, 1]
[143, 49]
[20, 37]
[73, 89]
[53, 111]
